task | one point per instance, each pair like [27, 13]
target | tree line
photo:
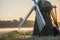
[15, 23]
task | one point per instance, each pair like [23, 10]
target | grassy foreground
[16, 35]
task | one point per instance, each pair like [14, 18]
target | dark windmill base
[46, 31]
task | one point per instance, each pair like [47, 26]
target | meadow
[25, 35]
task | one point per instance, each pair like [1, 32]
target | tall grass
[16, 35]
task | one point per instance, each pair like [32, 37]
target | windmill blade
[40, 19]
[25, 18]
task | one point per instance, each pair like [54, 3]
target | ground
[25, 35]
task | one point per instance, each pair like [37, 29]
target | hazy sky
[14, 9]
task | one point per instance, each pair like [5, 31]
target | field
[25, 35]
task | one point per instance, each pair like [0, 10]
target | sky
[14, 9]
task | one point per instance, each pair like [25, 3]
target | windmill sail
[40, 19]
[25, 18]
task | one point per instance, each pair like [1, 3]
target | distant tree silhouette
[15, 23]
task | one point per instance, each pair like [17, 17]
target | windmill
[40, 20]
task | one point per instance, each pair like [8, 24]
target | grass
[16, 35]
